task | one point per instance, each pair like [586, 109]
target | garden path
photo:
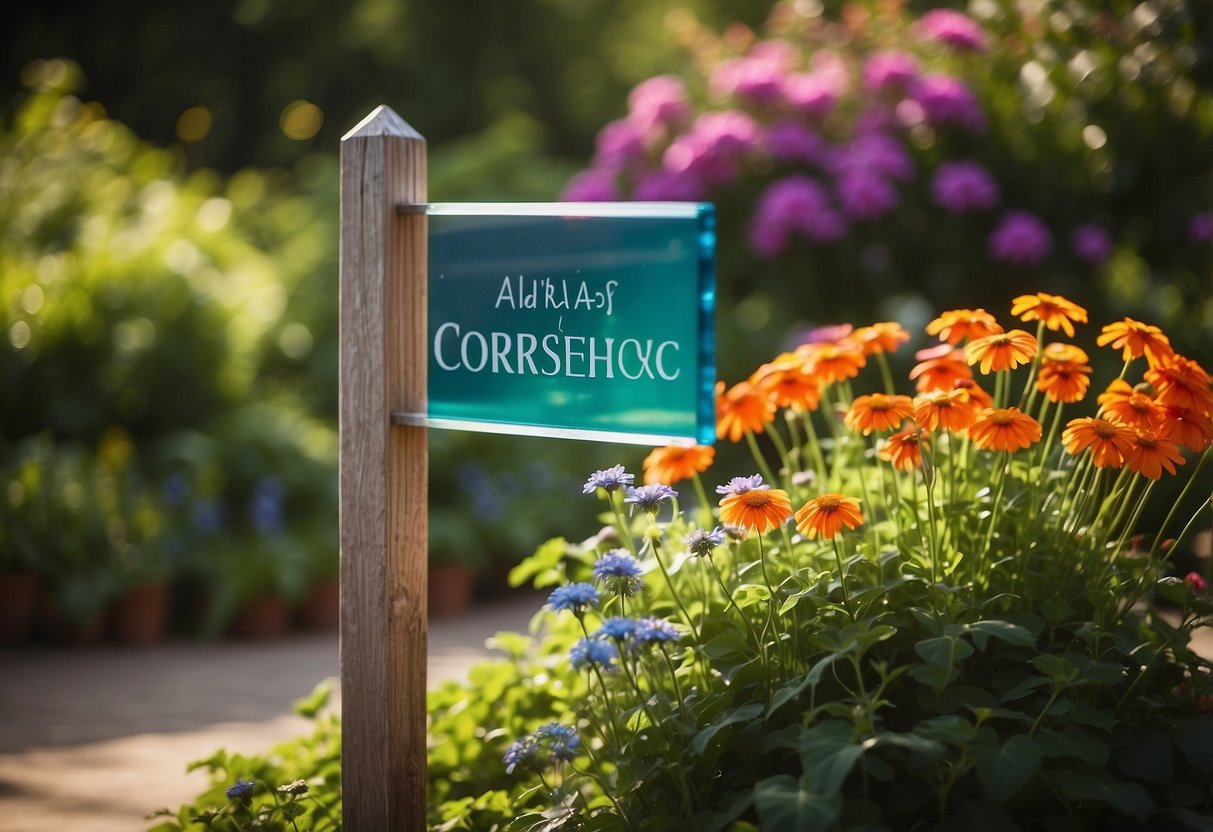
[93, 738]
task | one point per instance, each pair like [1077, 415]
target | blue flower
[701, 542]
[242, 791]
[575, 597]
[265, 511]
[208, 516]
[740, 485]
[562, 741]
[175, 489]
[617, 628]
[616, 564]
[593, 651]
[655, 631]
[520, 751]
[648, 497]
[611, 479]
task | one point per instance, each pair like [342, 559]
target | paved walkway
[93, 738]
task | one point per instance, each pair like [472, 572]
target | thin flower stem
[606, 695]
[606, 791]
[842, 578]
[815, 445]
[772, 623]
[705, 505]
[1188, 527]
[621, 526]
[1029, 392]
[929, 478]
[995, 507]
[744, 618]
[782, 447]
[682, 704]
[885, 375]
[1158, 538]
[669, 581]
[758, 458]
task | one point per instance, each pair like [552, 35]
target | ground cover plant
[930, 606]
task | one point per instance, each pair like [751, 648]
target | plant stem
[1158, 538]
[842, 578]
[669, 581]
[758, 458]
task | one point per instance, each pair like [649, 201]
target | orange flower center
[1000, 340]
[756, 499]
[1104, 430]
[828, 502]
[1002, 418]
[1147, 442]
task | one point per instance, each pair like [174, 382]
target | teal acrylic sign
[581, 320]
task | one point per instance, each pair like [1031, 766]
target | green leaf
[315, 701]
[742, 714]
[1074, 742]
[1100, 785]
[545, 559]
[1194, 738]
[934, 676]
[747, 595]
[731, 808]
[914, 743]
[1061, 671]
[952, 729]
[790, 805]
[1024, 688]
[1012, 634]
[828, 752]
[944, 651]
[1148, 757]
[1003, 769]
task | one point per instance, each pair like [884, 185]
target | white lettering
[661, 364]
[526, 345]
[569, 353]
[605, 359]
[438, 345]
[506, 293]
[501, 352]
[484, 351]
[552, 354]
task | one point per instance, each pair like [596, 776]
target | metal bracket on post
[384, 496]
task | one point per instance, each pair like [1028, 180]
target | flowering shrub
[927, 608]
[862, 156]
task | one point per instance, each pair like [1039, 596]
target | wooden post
[384, 495]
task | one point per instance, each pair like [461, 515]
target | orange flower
[1054, 311]
[1182, 382]
[1004, 429]
[827, 514]
[1130, 406]
[979, 397]
[826, 363]
[1063, 381]
[786, 382]
[1059, 351]
[743, 408]
[758, 509]
[1187, 427]
[956, 325]
[903, 449]
[939, 368]
[878, 412]
[1108, 441]
[953, 409]
[1149, 454]
[1136, 339]
[1003, 351]
[676, 463]
[885, 336]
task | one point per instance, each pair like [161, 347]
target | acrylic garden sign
[584, 321]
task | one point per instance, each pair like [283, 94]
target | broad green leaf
[742, 714]
[790, 805]
[912, 742]
[730, 808]
[1074, 742]
[952, 729]
[546, 558]
[1088, 783]
[1024, 688]
[1003, 769]
[1194, 738]
[944, 651]
[1003, 630]
[935, 676]
[1061, 671]
[828, 751]
[747, 595]
[1148, 757]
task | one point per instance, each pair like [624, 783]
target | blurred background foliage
[169, 228]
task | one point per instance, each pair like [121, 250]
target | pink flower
[889, 70]
[952, 28]
[591, 185]
[1091, 242]
[946, 101]
[877, 153]
[758, 76]
[794, 206]
[619, 145]
[1021, 239]
[811, 93]
[1200, 227]
[1195, 583]
[714, 147]
[659, 102]
[964, 187]
[667, 186]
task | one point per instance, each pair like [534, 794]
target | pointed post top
[383, 121]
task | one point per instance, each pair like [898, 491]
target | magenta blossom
[791, 141]
[890, 70]
[964, 187]
[591, 185]
[619, 145]
[876, 153]
[953, 29]
[1195, 582]
[714, 147]
[795, 206]
[1021, 239]
[758, 76]
[947, 102]
[1092, 243]
[1200, 227]
[811, 93]
[865, 196]
[659, 102]
[667, 186]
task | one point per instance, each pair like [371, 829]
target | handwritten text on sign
[594, 322]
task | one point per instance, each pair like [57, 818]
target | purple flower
[654, 631]
[758, 76]
[1200, 227]
[812, 93]
[659, 102]
[791, 141]
[575, 597]
[265, 511]
[562, 741]
[964, 188]
[952, 28]
[1091, 242]
[875, 153]
[649, 497]
[208, 515]
[827, 334]
[889, 70]
[946, 101]
[667, 186]
[713, 148]
[740, 485]
[242, 791]
[616, 564]
[701, 542]
[796, 205]
[865, 196]
[1021, 239]
[619, 145]
[610, 479]
[591, 185]
[593, 651]
[520, 751]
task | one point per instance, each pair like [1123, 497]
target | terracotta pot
[18, 594]
[50, 624]
[264, 617]
[450, 586]
[321, 610]
[141, 616]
